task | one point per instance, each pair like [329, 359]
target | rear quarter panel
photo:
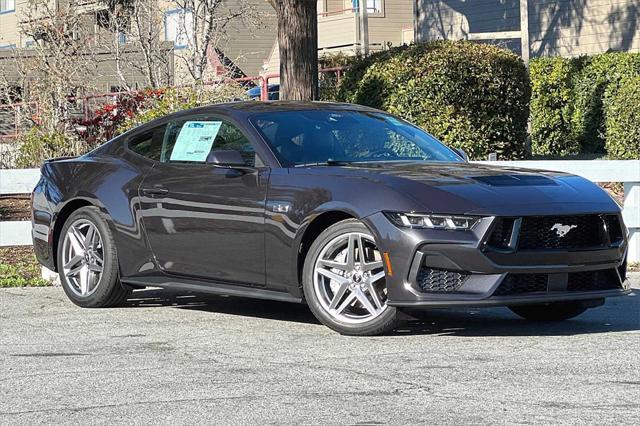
[108, 180]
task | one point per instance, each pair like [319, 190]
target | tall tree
[205, 27]
[298, 44]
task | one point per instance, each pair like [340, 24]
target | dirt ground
[15, 207]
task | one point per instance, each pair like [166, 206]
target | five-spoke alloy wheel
[83, 257]
[344, 281]
[87, 260]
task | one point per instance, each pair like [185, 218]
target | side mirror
[462, 154]
[226, 158]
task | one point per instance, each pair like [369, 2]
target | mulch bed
[15, 207]
[13, 255]
[615, 189]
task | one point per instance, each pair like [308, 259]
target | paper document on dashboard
[195, 141]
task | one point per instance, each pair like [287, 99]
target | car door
[201, 220]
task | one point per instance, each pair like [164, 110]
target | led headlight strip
[432, 221]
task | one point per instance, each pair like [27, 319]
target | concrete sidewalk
[185, 359]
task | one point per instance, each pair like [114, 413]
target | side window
[191, 141]
[149, 144]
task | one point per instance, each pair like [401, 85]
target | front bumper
[467, 274]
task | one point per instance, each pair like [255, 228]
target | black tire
[109, 291]
[549, 312]
[384, 322]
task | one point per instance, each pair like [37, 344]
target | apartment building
[340, 29]
[247, 51]
[243, 49]
[534, 27]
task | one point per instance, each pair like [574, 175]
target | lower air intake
[433, 280]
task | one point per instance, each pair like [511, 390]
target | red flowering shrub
[103, 124]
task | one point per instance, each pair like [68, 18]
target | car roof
[252, 107]
[243, 109]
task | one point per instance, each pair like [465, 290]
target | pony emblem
[562, 230]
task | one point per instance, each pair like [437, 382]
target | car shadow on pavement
[618, 314]
[246, 307]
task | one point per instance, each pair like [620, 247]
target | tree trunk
[298, 42]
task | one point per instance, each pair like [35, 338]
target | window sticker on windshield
[195, 141]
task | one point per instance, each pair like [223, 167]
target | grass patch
[19, 268]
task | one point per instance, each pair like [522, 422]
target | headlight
[432, 221]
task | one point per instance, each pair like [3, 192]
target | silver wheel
[348, 279]
[82, 257]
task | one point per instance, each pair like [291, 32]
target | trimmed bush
[38, 145]
[623, 121]
[179, 99]
[552, 107]
[471, 96]
[570, 98]
[598, 80]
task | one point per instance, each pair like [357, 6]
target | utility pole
[364, 26]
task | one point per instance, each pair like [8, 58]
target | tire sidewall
[381, 324]
[109, 276]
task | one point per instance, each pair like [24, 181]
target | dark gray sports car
[351, 210]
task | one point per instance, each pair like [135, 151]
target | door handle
[156, 190]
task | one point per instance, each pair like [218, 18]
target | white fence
[627, 172]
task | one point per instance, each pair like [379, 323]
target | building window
[7, 6]
[178, 27]
[374, 6]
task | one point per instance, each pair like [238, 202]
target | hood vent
[515, 180]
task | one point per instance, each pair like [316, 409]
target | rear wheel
[344, 281]
[550, 312]
[88, 262]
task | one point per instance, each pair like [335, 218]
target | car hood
[468, 188]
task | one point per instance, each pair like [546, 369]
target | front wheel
[344, 281]
[550, 311]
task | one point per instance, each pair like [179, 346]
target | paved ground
[174, 358]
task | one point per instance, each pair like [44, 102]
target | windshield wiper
[333, 162]
[329, 162]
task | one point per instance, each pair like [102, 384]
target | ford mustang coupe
[348, 209]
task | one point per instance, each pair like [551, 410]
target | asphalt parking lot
[182, 358]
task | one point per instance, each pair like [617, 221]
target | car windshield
[310, 137]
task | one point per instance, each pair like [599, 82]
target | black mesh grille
[440, 280]
[606, 279]
[501, 234]
[514, 284]
[561, 232]
[522, 283]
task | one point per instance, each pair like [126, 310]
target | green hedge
[472, 96]
[570, 98]
[552, 107]
[623, 121]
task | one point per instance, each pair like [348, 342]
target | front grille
[440, 280]
[557, 232]
[517, 284]
[593, 280]
[561, 232]
[522, 283]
